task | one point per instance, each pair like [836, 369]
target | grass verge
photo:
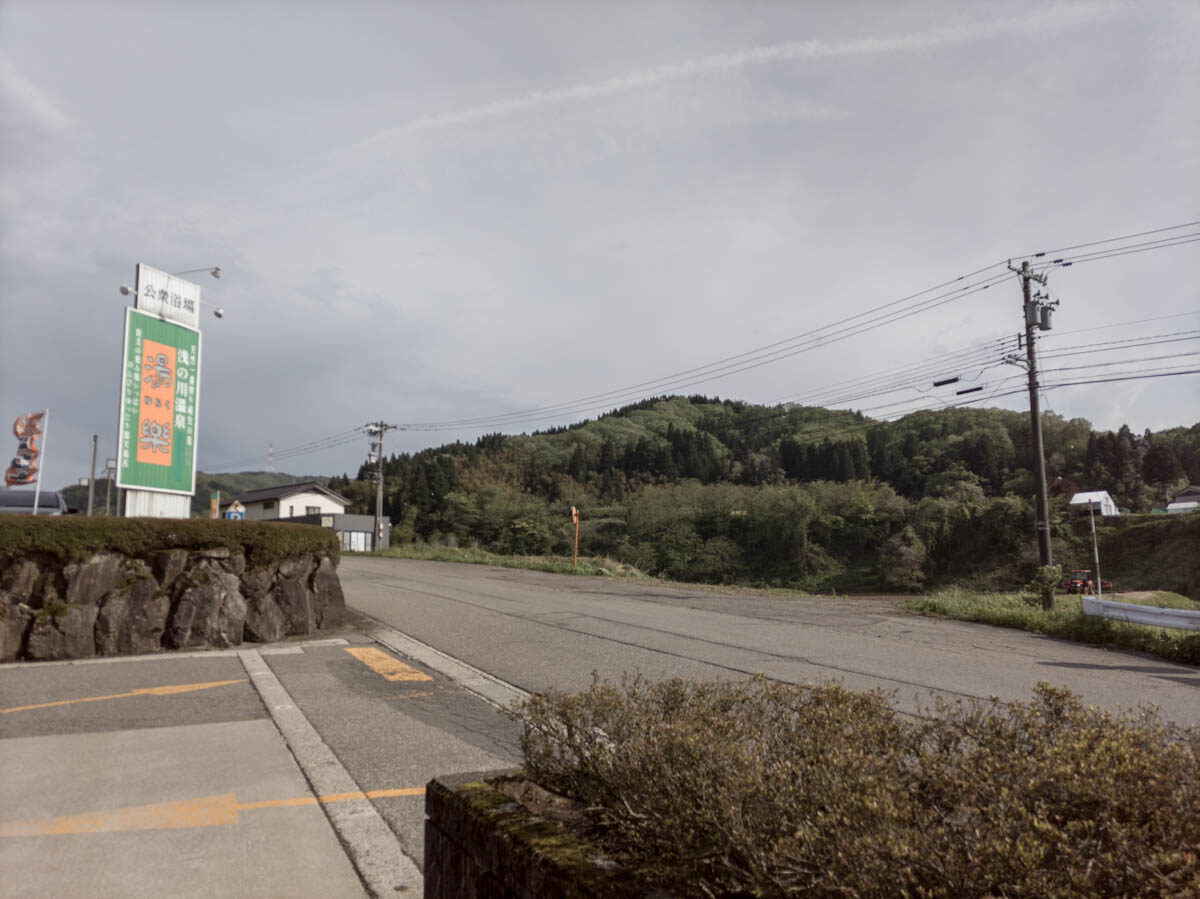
[1068, 621]
[588, 565]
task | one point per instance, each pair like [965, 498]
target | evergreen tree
[578, 465]
[861, 459]
[1161, 468]
[843, 462]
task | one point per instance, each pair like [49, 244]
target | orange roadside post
[575, 558]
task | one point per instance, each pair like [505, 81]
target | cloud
[23, 99]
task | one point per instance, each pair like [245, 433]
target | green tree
[902, 560]
[1161, 468]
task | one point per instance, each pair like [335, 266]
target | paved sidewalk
[292, 770]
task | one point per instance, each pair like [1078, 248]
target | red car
[1081, 580]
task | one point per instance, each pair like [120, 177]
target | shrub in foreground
[768, 789]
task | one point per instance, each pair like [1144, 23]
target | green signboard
[160, 393]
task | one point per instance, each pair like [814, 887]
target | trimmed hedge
[75, 538]
[772, 790]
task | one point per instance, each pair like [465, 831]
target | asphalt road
[538, 631]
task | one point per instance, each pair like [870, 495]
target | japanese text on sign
[157, 396]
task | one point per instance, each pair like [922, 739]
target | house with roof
[1186, 500]
[310, 502]
[291, 501]
[1097, 500]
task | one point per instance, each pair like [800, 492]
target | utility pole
[376, 430]
[1037, 316]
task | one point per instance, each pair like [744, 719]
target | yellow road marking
[207, 811]
[390, 794]
[168, 690]
[277, 803]
[382, 663]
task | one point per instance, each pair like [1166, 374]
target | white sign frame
[167, 296]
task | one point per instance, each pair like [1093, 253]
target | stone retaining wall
[114, 604]
[481, 843]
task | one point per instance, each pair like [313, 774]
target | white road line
[486, 686]
[108, 660]
[373, 848]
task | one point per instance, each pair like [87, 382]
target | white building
[1186, 500]
[292, 501]
[312, 503]
[1099, 500]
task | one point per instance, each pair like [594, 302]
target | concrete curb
[372, 847]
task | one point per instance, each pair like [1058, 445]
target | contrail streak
[1056, 17]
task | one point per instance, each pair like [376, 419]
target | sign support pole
[575, 557]
[92, 476]
[37, 490]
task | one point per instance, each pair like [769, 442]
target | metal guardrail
[1181, 619]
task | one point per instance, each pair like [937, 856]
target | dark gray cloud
[427, 213]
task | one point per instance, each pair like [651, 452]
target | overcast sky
[453, 210]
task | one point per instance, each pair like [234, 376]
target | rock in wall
[113, 604]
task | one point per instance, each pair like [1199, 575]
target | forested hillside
[722, 491]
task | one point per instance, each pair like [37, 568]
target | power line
[774, 352]
[876, 317]
[1190, 371]
[1065, 261]
[1094, 243]
[892, 377]
[819, 338]
[1123, 362]
[1138, 321]
[322, 443]
[1126, 344]
[852, 430]
[944, 363]
[355, 434]
[877, 388]
[867, 394]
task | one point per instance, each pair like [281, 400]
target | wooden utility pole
[1033, 323]
[376, 430]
